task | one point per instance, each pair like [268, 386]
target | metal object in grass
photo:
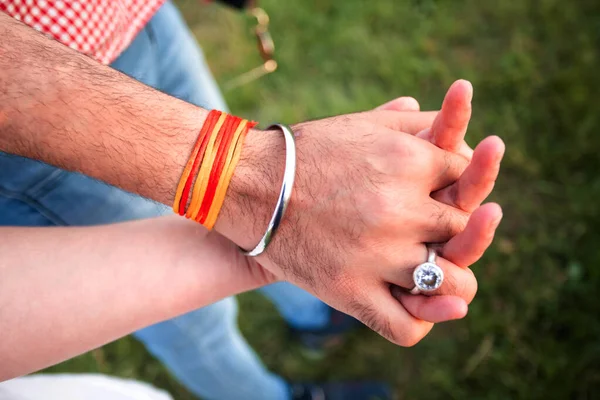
[266, 49]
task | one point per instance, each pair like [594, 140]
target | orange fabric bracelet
[208, 172]
[178, 208]
[227, 175]
[205, 167]
[213, 165]
[219, 166]
[208, 127]
[208, 166]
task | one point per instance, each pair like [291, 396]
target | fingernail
[470, 86]
[499, 157]
[411, 103]
[497, 221]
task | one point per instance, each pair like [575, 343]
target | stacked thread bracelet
[206, 176]
[203, 184]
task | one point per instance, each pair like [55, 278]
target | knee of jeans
[200, 327]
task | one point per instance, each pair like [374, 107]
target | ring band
[284, 195]
[428, 276]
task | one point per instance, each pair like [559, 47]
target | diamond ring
[427, 276]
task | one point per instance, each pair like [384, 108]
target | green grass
[533, 332]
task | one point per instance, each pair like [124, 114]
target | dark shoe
[315, 341]
[341, 391]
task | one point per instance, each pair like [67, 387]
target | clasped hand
[373, 191]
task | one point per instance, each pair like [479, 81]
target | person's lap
[204, 348]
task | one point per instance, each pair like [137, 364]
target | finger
[439, 167]
[386, 316]
[459, 282]
[478, 180]
[411, 122]
[440, 222]
[401, 104]
[450, 126]
[444, 168]
[464, 149]
[468, 246]
[433, 309]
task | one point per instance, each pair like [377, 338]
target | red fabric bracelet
[219, 166]
[208, 126]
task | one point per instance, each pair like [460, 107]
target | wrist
[254, 188]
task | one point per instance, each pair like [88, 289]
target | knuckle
[455, 222]
[451, 285]
[399, 148]
[452, 166]
[389, 212]
[383, 209]
[457, 162]
[410, 337]
[397, 155]
[464, 287]
[447, 222]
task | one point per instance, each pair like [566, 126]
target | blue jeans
[204, 348]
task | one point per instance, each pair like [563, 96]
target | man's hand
[447, 129]
[360, 215]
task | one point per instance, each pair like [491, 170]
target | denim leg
[206, 352]
[182, 69]
[299, 308]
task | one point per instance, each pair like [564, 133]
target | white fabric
[78, 387]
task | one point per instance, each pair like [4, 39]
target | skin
[67, 290]
[447, 130]
[372, 188]
[79, 272]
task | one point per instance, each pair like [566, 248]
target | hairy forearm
[64, 291]
[65, 109]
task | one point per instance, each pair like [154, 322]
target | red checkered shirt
[101, 29]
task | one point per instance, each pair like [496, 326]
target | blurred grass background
[533, 332]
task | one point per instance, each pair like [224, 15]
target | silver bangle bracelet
[286, 191]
